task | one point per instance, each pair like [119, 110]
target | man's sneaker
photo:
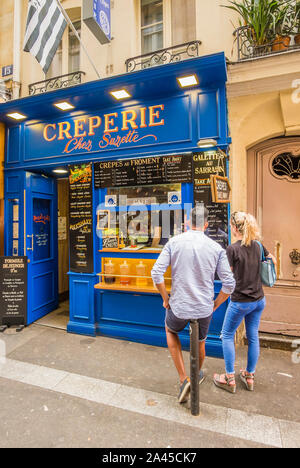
[184, 391]
[201, 377]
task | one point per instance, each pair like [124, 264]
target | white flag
[44, 30]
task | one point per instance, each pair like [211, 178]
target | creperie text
[127, 120]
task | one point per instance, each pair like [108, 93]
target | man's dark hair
[199, 216]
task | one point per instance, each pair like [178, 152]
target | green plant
[259, 16]
[285, 18]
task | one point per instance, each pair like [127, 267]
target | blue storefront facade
[157, 119]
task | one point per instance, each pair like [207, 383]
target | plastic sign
[97, 17]
[7, 71]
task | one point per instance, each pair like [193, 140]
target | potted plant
[284, 23]
[257, 16]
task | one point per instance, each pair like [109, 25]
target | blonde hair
[247, 226]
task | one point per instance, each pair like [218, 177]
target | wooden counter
[142, 251]
[128, 288]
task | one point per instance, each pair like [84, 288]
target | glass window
[74, 48]
[145, 195]
[41, 229]
[152, 25]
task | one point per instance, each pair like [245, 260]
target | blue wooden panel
[13, 144]
[208, 115]
[82, 304]
[42, 185]
[12, 184]
[44, 283]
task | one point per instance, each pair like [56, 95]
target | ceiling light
[16, 116]
[186, 81]
[120, 94]
[60, 171]
[208, 143]
[64, 106]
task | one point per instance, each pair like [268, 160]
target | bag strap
[263, 258]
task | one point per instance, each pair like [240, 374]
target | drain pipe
[16, 84]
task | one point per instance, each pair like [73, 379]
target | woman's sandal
[225, 386]
[245, 377]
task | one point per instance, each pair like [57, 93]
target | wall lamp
[208, 143]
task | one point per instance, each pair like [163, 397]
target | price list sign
[207, 164]
[81, 218]
[155, 170]
[13, 284]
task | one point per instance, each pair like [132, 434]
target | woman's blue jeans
[236, 313]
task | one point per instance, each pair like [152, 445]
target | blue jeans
[236, 313]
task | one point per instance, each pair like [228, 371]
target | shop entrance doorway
[41, 245]
[273, 196]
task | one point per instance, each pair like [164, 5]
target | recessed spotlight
[208, 143]
[16, 116]
[120, 94]
[60, 171]
[64, 106]
[190, 80]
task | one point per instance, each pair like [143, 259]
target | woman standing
[247, 301]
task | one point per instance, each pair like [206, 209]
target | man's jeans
[236, 312]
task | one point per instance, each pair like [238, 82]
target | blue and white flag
[44, 30]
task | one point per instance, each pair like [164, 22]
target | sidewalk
[68, 390]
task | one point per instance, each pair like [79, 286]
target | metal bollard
[194, 367]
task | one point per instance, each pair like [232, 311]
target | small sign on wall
[97, 17]
[7, 71]
[62, 228]
[13, 291]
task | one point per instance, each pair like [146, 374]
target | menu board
[154, 170]
[81, 218]
[13, 285]
[207, 164]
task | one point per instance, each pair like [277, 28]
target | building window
[74, 48]
[152, 25]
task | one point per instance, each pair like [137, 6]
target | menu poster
[81, 218]
[207, 164]
[13, 285]
[154, 170]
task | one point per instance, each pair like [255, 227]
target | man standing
[195, 259]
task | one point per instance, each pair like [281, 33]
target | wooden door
[274, 198]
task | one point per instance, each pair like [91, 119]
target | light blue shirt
[194, 259]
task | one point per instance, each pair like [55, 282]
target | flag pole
[77, 35]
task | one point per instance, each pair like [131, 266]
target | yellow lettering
[46, 132]
[153, 115]
[126, 120]
[109, 122]
[64, 132]
[93, 125]
[79, 127]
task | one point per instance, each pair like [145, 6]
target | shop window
[145, 195]
[152, 25]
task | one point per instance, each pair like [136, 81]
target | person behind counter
[195, 259]
[247, 301]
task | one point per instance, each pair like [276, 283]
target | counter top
[129, 288]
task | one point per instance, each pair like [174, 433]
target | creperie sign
[115, 130]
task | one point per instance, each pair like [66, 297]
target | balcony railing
[5, 93]
[59, 82]
[247, 49]
[164, 56]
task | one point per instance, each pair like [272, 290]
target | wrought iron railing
[59, 82]
[5, 93]
[164, 56]
[248, 49]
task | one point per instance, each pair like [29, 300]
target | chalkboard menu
[154, 170]
[81, 218]
[13, 286]
[207, 164]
